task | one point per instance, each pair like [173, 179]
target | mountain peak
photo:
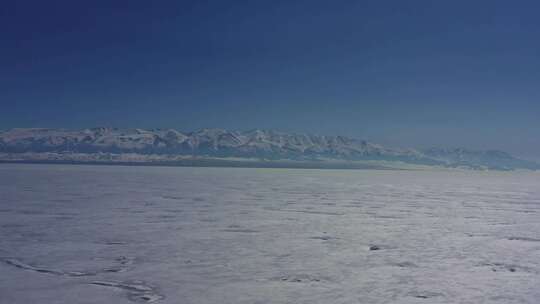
[257, 143]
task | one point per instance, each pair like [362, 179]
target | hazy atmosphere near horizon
[412, 74]
[269, 152]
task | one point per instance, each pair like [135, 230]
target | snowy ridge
[492, 159]
[258, 144]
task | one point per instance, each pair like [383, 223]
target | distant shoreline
[217, 164]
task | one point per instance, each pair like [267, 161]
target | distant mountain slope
[469, 158]
[258, 144]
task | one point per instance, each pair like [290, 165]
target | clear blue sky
[404, 73]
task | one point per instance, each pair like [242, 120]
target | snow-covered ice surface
[111, 234]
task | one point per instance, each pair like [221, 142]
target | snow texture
[103, 234]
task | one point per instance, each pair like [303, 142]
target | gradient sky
[403, 73]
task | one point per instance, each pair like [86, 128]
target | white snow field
[113, 234]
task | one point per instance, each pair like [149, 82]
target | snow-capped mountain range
[263, 145]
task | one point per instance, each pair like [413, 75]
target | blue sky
[403, 73]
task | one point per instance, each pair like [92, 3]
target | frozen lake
[111, 234]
